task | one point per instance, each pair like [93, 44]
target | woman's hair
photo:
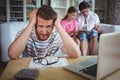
[83, 5]
[70, 10]
[46, 12]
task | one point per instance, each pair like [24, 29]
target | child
[70, 24]
[88, 25]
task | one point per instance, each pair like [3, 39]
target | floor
[2, 67]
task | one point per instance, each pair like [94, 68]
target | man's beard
[43, 37]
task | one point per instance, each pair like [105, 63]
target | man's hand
[58, 20]
[32, 17]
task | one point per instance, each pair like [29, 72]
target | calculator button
[27, 74]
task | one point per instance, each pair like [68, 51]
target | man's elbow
[75, 55]
[12, 56]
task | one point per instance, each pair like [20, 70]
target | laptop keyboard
[92, 70]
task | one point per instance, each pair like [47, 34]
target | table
[57, 73]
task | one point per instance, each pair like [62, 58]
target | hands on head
[58, 20]
[32, 17]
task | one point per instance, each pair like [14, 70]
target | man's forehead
[43, 21]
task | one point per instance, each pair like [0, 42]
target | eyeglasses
[47, 60]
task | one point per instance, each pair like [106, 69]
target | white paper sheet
[61, 62]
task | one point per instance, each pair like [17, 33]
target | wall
[0, 52]
[117, 12]
[0, 48]
[113, 12]
[108, 11]
[101, 9]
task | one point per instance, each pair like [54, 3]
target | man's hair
[46, 12]
[83, 5]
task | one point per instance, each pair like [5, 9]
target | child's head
[71, 13]
[84, 8]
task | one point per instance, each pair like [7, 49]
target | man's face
[85, 12]
[44, 28]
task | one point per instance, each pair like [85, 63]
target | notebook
[108, 59]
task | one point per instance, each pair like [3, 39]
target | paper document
[60, 62]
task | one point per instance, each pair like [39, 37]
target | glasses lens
[37, 59]
[44, 61]
[52, 59]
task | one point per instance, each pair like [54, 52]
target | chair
[8, 32]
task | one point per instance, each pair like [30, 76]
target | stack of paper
[61, 62]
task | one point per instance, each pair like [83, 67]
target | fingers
[33, 13]
[58, 20]
[32, 16]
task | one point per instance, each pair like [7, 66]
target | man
[41, 38]
[88, 23]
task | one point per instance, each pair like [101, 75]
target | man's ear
[54, 22]
[36, 21]
[35, 25]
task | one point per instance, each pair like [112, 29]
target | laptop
[108, 60]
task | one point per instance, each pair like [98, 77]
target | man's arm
[69, 47]
[18, 46]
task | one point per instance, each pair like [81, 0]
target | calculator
[27, 74]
